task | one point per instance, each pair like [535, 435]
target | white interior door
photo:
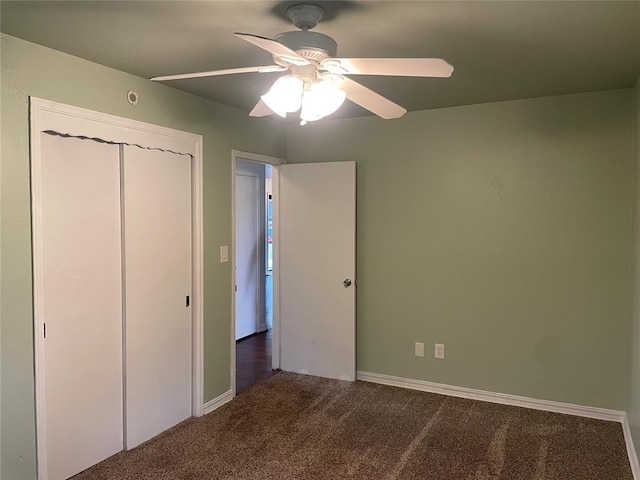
[80, 253]
[317, 257]
[157, 233]
[247, 253]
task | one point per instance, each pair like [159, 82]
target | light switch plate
[224, 254]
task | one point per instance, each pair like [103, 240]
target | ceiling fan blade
[399, 67]
[372, 101]
[274, 48]
[229, 71]
[261, 110]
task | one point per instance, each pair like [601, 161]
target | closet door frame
[65, 119]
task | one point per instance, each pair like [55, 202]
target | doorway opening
[253, 329]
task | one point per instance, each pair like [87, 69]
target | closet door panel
[157, 233]
[81, 302]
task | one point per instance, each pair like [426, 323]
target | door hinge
[45, 330]
[236, 287]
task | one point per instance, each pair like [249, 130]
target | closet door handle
[187, 302]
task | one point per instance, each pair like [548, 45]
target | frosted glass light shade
[285, 95]
[321, 99]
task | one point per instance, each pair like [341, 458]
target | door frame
[275, 339]
[66, 119]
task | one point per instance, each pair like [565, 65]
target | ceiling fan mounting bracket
[305, 16]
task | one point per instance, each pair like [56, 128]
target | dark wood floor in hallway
[253, 360]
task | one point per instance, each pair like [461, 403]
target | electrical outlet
[439, 351]
[419, 349]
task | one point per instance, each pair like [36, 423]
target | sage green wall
[501, 230]
[634, 379]
[29, 69]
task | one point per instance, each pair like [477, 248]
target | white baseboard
[631, 451]
[217, 402]
[503, 398]
[515, 400]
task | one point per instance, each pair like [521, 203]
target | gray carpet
[301, 427]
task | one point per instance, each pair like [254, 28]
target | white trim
[631, 451]
[257, 157]
[38, 275]
[78, 121]
[47, 115]
[277, 329]
[217, 402]
[197, 397]
[492, 397]
[275, 339]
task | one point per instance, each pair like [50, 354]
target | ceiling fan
[318, 82]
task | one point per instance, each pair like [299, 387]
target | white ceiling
[501, 50]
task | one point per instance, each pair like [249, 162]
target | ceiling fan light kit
[285, 96]
[315, 95]
[321, 98]
[317, 84]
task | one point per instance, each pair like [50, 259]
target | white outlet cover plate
[439, 351]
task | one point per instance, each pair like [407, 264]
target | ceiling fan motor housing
[311, 45]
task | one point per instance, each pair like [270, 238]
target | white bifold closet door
[157, 265]
[81, 302]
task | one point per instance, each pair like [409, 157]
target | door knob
[347, 283]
